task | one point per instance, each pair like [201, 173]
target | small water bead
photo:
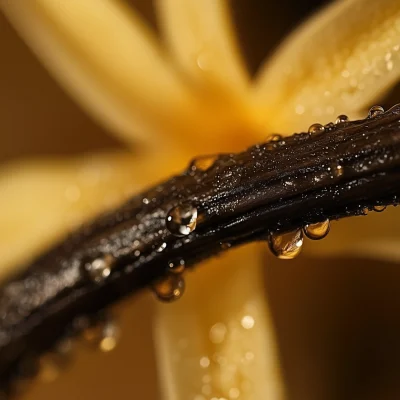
[286, 246]
[329, 126]
[176, 266]
[318, 230]
[100, 268]
[341, 119]
[274, 138]
[202, 163]
[379, 208]
[161, 248]
[272, 141]
[103, 335]
[170, 288]
[181, 220]
[338, 170]
[375, 111]
[315, 129]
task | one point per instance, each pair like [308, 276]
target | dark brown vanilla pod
[331, 172]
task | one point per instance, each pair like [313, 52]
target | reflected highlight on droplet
[170, 288]
[100, 268]
[286, 246]
[375, 111]
[182, 219]
[176, 266]
[341, 119]
[318, 230]
[316, 128]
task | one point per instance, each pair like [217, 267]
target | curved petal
[107, 58]
[202, 41]
[42, 199]
[339, 62]
[217, 341]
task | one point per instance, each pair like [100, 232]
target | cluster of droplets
[287, 246]
[181, 220]
[317, 128]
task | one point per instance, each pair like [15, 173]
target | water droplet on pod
[316, 128]
[103, 335]
[170, 288]
[273, 138]
[375, 111]
[202, 163]
[100, 268]
[176, 266]
[318, 230]
[341, 119]
[329, 126]
[337, 170]
[181, 220]
[286, 246]
[379, 208]
[161, 248]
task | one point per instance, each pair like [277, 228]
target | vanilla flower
[179, 96]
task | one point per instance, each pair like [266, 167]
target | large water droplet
[375, 111]
[341, 119]
[379, 208]
[170, 288]
[176, 266]
[318, 230]
[316, 128]
[202, 163]
[181, 220]
[103, 335]
[100, 268]
[287, 245]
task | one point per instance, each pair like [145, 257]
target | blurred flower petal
[108, 59]
[202, 41]
[217, 341]
[339, 62]
[41, 200]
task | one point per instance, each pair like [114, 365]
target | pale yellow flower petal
[339, 62]
[108, 59]
[217, 341]
[42, 200]
[202, 41]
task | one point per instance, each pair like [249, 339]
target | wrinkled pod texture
[274, 187]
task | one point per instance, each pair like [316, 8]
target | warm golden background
[337, 320]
